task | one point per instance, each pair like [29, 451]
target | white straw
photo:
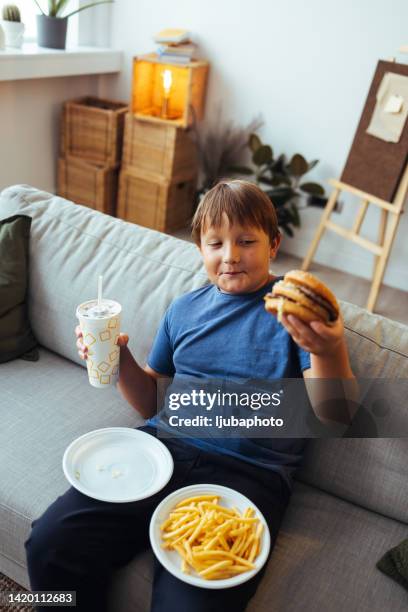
[100, 292]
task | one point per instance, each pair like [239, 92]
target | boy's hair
[243, 202]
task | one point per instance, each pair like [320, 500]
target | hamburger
[304, 296]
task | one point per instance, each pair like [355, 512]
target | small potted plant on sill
[52, 27]
[12, 26]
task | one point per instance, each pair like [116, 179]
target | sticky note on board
[394, 104]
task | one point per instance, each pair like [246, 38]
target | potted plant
[52, 26]
[12, 26]
[282, 179]
[221, 149]
[2, 38]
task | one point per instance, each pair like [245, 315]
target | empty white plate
[171, 560]
[117, 464]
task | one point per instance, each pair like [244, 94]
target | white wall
[306, 66]
[30, 113]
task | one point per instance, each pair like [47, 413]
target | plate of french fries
[209, 536]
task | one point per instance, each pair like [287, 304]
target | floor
[391, 303]
[7, 585]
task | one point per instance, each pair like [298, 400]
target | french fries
[212, 540]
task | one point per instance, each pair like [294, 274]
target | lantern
[168, 92]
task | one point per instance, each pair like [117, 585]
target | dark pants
[79, 541]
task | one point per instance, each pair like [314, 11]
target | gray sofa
[350, 499]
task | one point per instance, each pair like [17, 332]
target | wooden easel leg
[382, 262]
[322, 226]
[381, 236]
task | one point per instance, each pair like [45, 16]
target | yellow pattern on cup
[113, 355]
[103, 366]
[105, 335]
[105, 379]
[112, 323]
[89, 339]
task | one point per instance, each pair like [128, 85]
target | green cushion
[16, 337]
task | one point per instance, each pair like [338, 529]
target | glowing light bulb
[167, 81]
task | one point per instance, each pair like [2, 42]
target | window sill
[33, 62]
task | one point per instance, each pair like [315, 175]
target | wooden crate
[159, 204]
[93, 185]
[187, 92]
[161, 149]
[92, 128]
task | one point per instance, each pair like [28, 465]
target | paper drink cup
[100, 330]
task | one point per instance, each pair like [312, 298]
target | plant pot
[51, 31]
[2, 39]
[14, 32]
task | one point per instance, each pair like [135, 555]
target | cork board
[373, 165]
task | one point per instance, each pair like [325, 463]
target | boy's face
[237, 258]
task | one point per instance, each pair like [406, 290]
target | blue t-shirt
[208, 334]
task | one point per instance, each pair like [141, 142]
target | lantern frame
[187, 93]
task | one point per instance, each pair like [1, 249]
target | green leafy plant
[11, 12]
[283, 179]
[56, 7]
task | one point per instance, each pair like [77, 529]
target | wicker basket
[93, 185]
[160, 149]
[92, 128]
[156, 203]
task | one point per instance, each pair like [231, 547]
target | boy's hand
[123, 339]
[315, 337]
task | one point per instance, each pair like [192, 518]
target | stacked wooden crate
[91, 148]
[158, 175]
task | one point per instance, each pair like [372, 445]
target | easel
[386, 231]
[391, 209]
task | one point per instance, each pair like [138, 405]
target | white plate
[117, 464]
[171, 560]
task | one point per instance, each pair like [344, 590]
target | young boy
[219, 331]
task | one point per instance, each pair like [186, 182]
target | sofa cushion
[369, 472]
[16, 337]
[71, 245]
[378, 347]
[44, 405]
[324, 559]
